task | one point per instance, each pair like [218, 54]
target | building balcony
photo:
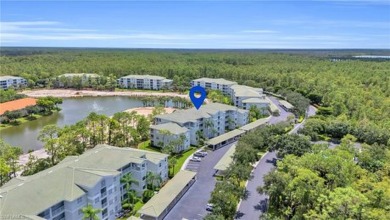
[58, 211]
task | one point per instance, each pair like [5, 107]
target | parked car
[200, 153]
[209, 207]
[196, 159]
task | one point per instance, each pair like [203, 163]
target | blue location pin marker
[197, 101]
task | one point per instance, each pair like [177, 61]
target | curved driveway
[255, 204]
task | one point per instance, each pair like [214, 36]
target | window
[97, 200]
[103, 183]
[160, 165]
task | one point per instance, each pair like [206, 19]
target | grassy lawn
[146, 146]
[137, 207]
[20, 121]
[182, 157]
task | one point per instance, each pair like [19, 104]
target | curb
[246, 183]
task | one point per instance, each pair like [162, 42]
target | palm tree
[130, 201]
[128, 180]
[208, 124]
[172, 163]
[153, 180]
[90, 213]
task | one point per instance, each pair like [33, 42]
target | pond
[73, 110]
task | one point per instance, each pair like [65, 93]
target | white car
[209, 207]
[196, 159]
[200, 153]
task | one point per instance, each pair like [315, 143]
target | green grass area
[20, 121]
[182, 157]
[137, 206]
[146, 146]
[300, 119]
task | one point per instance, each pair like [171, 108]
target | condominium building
[12, 81]
[240, 93]
[84, 77]
[92, 178]
[144, 82]
[220, 84]
[170, 134]
[209, 121]
[260, 103]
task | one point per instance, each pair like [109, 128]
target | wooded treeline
[355, 89]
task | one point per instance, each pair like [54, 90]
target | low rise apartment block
[239, 93]
[12, 82]
[209, 121]
[144, 82]
[170, 134]
[69, 77]
[92, 178]
[220, 84]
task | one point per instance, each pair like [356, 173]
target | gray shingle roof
[226, 136]
[246, 91]
[10, 77]
[256, 100]
[220, 81]
[226, 159]
[255, 124]
[144, 77]
[171, 127]
[159, 202]
[192, 114]
[68, 179]
[286, 104]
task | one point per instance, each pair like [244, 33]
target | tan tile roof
[16, 104]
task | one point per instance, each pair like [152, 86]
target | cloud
[56, 33]
[260, 31]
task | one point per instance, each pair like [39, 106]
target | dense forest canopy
[355, 90]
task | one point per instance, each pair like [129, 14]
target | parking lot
[193, 204]
[193, 166]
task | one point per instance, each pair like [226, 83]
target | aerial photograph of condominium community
[190, 110]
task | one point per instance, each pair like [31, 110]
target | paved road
[193, 204]
[255, 204]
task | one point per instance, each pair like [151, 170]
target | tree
[90, 213]
[143, 127]
[153, 180]
[342, 203]
[172, 163]
[128, 180]
[157, 110]
[291, 144]
[10, 156]
[225, 199]
[5, 169]
[49, 136]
